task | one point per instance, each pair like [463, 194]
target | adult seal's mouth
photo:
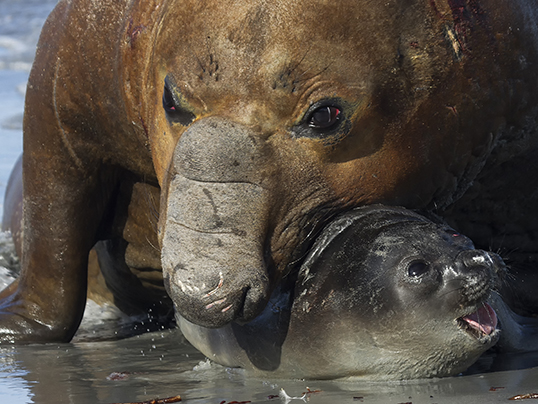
[481, 324]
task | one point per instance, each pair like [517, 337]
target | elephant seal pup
[384, 293]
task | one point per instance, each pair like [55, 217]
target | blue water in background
[20, 25]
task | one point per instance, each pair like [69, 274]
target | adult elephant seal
[256, 121]
[384, 293]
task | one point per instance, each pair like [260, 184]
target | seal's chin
[480, 324]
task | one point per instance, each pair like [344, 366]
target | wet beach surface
[162, 364]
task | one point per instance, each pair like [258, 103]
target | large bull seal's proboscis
[256, 121]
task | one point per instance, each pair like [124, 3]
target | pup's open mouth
[481, 323]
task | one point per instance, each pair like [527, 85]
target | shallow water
[162, 364]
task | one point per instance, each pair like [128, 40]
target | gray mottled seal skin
[385, 293]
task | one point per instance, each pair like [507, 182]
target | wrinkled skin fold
[206, 142]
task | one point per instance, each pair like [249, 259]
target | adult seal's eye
[326, 120]
[417, 268]
[174, 104]
[325, 117]
[168, 101]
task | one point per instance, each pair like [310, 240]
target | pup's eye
[325, 117]
[417, 268]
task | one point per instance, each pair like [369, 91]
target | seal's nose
[474, 260]
[215, 149]
[476, 271]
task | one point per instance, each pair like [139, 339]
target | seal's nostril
[499, 266]
[474, 260]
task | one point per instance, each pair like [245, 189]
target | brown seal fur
[327, 106]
